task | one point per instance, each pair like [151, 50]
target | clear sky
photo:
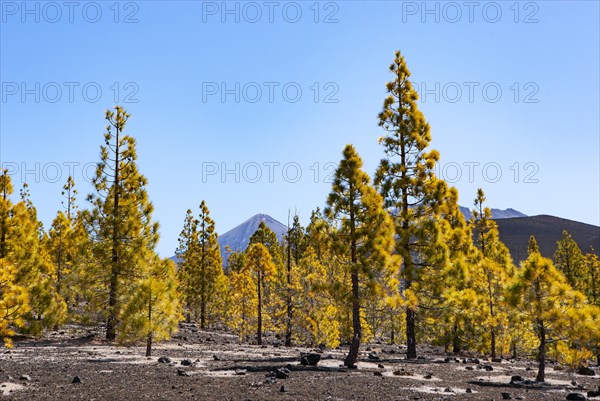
[248, 105]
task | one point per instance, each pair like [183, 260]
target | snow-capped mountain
[238, 237]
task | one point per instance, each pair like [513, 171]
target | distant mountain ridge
[515, 229]
[496, 213]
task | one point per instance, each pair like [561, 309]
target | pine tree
[364, 236]
[532, 246]
[210, 269]
[187, 262]
[411, 191]
[495, 267]
[243, 291]
[66, 245]
[26, 252]
[259, 260]
[14, 298]
[120, 223]
[153, 311]
[569, 259]
[200, 266]
[591, 277]
[548, 302]
[275, 290]
[458, 300]
[294, 244]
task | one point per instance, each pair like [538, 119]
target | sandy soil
[224, 369]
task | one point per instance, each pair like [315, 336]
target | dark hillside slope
[547, 230]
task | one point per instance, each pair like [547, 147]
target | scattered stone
[573, 383]
[468, 390]
[181, 372]
[373, 356]
[576, 397]
[516, 378]
[378, 373]
[164, 359]
[240, 372]
[216, 358]
[528, 368]
[380, 366]
[448, 390]
[310, 359]
[594, 394]
[76, 379]
[497, 360]
[186, 362]
[402, 372]
[25, 378]
[469, 367]
[283, 389]
[586, 371]
[488, 368]
[428, 376]
[519, 397]
[506, 396]
[421, 357]
[282, 373]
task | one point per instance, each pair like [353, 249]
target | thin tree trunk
[203, 278]
[290, 311]
[356, 326]
[455, 340]
[259, 329]
[114, 274]
[350, 360]
[393, 329]
[541, 353]
[492, 314]
[411, 338]
[149, 339]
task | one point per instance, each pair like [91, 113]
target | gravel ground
[224, 369]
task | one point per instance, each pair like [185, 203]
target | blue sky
[248, 105]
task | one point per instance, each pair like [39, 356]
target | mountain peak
[237, 238]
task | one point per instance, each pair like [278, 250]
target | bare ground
[224, 369]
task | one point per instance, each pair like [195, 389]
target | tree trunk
[393, 329]
[111, 322]
[203, 283]
[290, 310]
[493, 334]
[541, 353]
[411, 338]
[455, 340]
[350, 360]
[259, 329]
[149, 345]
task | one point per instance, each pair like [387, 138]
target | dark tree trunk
[411, 338]
[203, 294]
[259, 329]
[290, 310]
[149, 345]
[111, 322]
[541, 375]
[455, 340]
[350, 360]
